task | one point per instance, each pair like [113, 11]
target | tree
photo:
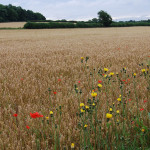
[95, 20]
[104, 18]
[13, 13]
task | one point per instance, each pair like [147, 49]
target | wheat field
[12, 25]
[32, 61]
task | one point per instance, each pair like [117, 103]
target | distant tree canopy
[10, 13]
[104, 18]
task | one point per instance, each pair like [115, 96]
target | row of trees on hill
[10, 13]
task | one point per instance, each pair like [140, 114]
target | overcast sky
[86, 9]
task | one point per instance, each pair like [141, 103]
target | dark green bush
[129, 24]
[52, 25]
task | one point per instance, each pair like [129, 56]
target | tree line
[103, 20]
[10, 13]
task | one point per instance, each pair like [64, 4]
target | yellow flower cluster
[93, 94]
[143, 70]
[82, 110]
[81, 104]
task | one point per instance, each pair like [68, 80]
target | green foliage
[104, 18]
[12, 13]
[129, 24]
[51, 25]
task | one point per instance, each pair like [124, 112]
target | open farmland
[42, 71]
[12, 25]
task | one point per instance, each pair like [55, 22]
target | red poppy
[99, 81]
[126, 82]
[35, 115]
[128, 79]
[21, 79]
[103, 74]
[15, 115]
[118, 48]
[141, 109]
[132, 122]
[145, 101]
[55, 93]
[78, 81]
[27, 127]
[130, 100]
[123, 80]
[59, 79]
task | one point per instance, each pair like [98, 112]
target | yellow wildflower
[81, 104]
[51, 113]
[93, 104]
[105, 75]
[108, 115]
[82, 110]
[47, 118]
[110, 109]
[105, 69]
[117, 111]
[82, 58]
[72, 145]
[142, 130]
[143, 70]
[111, 74]
[99, 85]
[120, 95]
[119, 99]
[134, 74]
[93, 94]
[85, 126]
[87, 107]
